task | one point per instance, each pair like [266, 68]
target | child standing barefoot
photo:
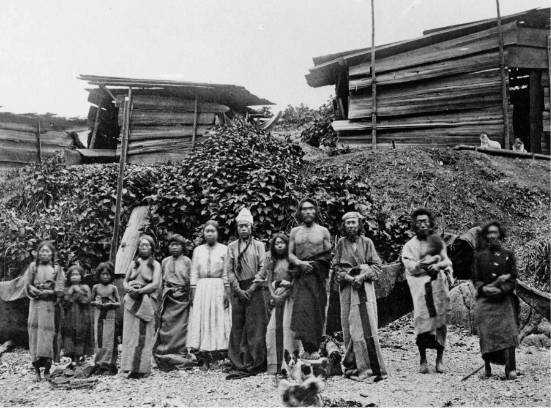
[44, 284]
[105, 299]
[76, 329]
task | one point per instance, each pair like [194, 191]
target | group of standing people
[254, 306]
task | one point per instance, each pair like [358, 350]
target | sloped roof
[326, 66]
[231, 95]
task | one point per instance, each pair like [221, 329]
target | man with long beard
[428, 284]
[310, 254]
[357, 265]
[245, 260]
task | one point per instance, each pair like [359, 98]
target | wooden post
[504, 81]
[549, 65]
[95, 130]
[38, 142]
[195, 114]
[373, 81]
[535, 115]
[120, 179]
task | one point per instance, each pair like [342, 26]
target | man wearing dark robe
[245, 260]
[357, 265]
[310, 254]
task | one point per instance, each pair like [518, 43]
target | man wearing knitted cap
[247, 345]
[357, 265]
[310, 253]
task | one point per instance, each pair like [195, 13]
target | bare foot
[37, 377]
[47, 374]
[423, 368]
[512, 375]
[440, 367]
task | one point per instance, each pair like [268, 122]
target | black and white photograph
[275, 203]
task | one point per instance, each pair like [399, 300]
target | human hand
[357, 282]
[285, 284]
[306, 266]
[226, 299]
[242, 295]
[34, 292]
[503, 278]
[191, 295]
[491, 290]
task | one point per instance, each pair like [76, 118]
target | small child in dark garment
[76, 329]
[435, 245]
[105, 299]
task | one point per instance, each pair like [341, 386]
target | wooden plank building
[27, 138]
[166, 118]
[444, 88]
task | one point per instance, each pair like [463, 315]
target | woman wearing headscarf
[210, 319]
[44, 284]
[140, 306]
[170, 342]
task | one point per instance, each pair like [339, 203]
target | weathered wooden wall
[162, 127]
[442, 94]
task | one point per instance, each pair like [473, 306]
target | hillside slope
[463, 189]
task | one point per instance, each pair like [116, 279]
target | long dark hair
[298, 214]
[52, 247]
[422, 211]
[284, 238]
[105, 266]
[71, 269]
[485, 228]
[150, 260]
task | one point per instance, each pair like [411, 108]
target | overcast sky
[266, 46]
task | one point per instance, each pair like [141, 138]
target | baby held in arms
[433, 257]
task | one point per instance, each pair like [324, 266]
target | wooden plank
[120, 179]
[465, 82]
[95, 129]
[503, 152]
[53, 139]
[479, 42]
[396, 105]
[20, 127]
[129, 242]
[465, 65]
[166, 132]
[527, 57]
[168, 118]
[173, 104]
[159, 158]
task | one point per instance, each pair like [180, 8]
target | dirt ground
[403, 387]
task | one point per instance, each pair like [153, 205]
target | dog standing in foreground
[307, 381]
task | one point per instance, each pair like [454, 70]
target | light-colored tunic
[209, 322]
[414, 250]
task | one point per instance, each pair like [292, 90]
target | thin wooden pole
[195, 114]
[373, 81]
[38, 142]
[504, 97]
[95, 130]
[120, 179]
[549, 65]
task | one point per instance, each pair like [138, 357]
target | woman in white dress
[210, 319]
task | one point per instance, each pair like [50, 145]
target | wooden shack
[167, 117]
[26, 138]
[444, 88]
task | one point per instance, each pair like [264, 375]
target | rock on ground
[404, 386]
[462, 305]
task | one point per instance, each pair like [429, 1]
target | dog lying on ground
[487, 143]
[307, 381]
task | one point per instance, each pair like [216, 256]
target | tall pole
[373, 82]
[38, 142]
[120, 179]
[195, 117]
[504, 97]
